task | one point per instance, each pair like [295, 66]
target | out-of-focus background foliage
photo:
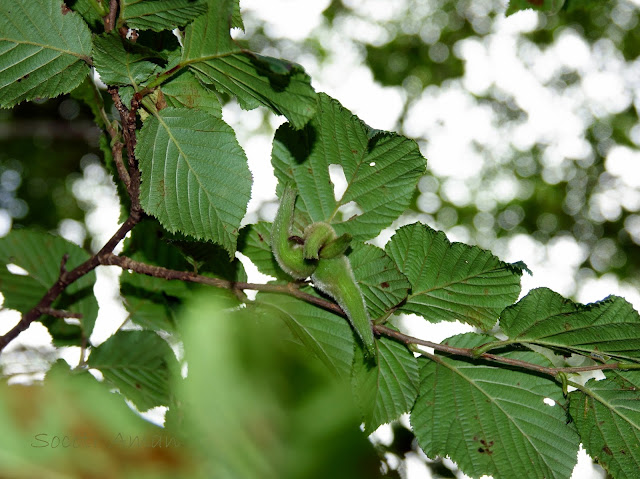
[529, 123]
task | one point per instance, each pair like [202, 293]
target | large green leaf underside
[40, 255]
[382, 284]
[195, 177]
[381, 169]
[255, 80]
[452, 281]
[609, 327]
[43, 50]
[186, 91]
[160, 15]
[388, 389]
[607, 415]
[492, 420]
[120, 62]
[139, 364]
[328, 336]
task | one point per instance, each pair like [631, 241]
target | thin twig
[116, 143]
[291, 289]
[471, 353]
[110, 19]
[66, 278]
[128, 120]
[60, 313]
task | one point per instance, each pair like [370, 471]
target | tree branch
[291, 289]
[472, 353]
[65, 278]
[59, 313]
[128, 120]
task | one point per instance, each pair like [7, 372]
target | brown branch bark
[469, 353]
[110, 19]
[59, 313]
[65, 279]
[128, 121]
[291, 289]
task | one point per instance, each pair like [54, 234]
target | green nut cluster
[320, 255]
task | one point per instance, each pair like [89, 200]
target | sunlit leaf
[610, 327]
[381, 169]
[382, 284]
[255, 80]
[452, 281]
[195, 177]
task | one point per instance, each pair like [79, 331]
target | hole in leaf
[349, 210]
[336, 173]
[549, 402]
[15, 269]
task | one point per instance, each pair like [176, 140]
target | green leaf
[381, 169]
[207, 258]
[607, 415]
[255, 80]
[452, 281]
[153, 310]
[44, 48]
[139, 364]
[91, 11]
[382, 284]
[547, 6]
[388, 389]
[195, 176]
[121, 62]
[158, 15]
[492, 420]
[184, 90]
[236, 17]
[328, 336]
[609, 327]
[40, 255]
[255, 243]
